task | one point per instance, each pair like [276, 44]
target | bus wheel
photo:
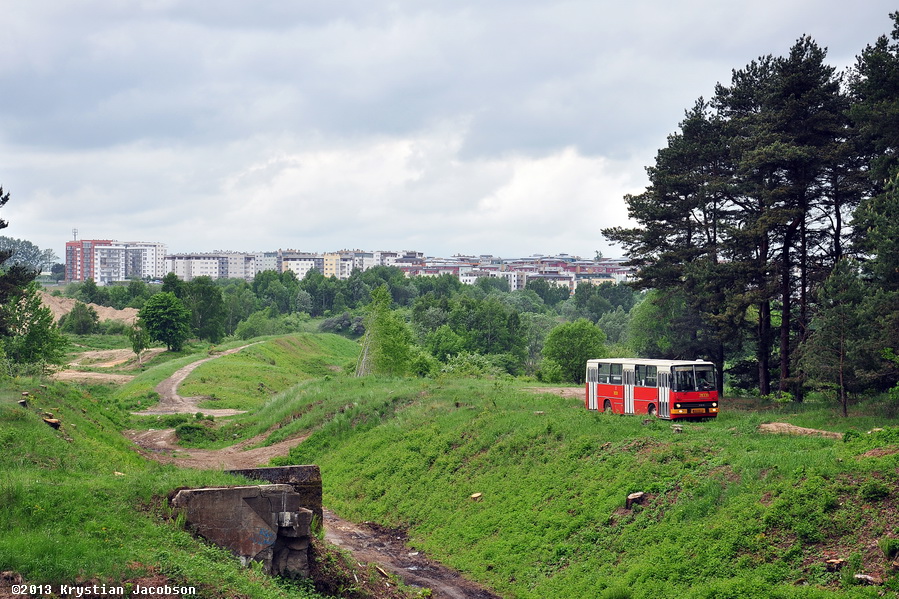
[652, 409]
[607, 407]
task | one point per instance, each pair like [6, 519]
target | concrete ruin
[264, 523]
[305, 480]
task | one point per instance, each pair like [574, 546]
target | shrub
[467, 364]
[549, 372]
[873, 490]
[194, 433]
[112, 327]
[889, 546]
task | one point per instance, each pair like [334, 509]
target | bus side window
[646, 376]
[615, 374]
[652, 376]
[592, 375]
[604, 374]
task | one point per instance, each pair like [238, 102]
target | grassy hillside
[248, 379]
[78, 504]
[731, 512]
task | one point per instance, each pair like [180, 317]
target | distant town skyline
[463, 128]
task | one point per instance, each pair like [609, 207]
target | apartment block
[80, 258]
[107, 261]
[300, 263]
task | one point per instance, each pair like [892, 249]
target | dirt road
[125, 359]
[162, 446]
[172, 403]
[367, 542]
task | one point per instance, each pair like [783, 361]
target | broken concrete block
[305, 480]
[297, 564]
[255, 523]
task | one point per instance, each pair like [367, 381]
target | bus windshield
[690, 378]
[683, 378]
[705, 378]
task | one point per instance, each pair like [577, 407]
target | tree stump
[634, 498]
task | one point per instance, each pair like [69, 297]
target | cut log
[634, 498]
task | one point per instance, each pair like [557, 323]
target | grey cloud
[151, 111]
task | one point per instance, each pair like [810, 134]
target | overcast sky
[492, 127]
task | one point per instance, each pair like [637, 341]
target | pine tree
[833, 352]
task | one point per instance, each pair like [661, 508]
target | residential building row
[108, 261]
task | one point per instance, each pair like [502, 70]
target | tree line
[768, 229]
[445, 324]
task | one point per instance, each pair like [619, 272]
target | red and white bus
[667, 389]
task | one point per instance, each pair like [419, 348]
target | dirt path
[104, 358]
[172, 403]
[367, 542]
[162, 446]
[567, 392]
[107, 358]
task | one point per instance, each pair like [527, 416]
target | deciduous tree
[81, 320]
[140, 339]
[570, 345]
[33, 336]
[166, 320]
[204, 300]
[387, 345]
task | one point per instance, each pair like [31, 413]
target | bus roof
[649, 362]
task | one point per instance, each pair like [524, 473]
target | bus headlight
[677, 405]
[714, 404]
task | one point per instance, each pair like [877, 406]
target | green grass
[732, 512]
[80, 343]
[248, 379]
[140, 393]
[80, 504]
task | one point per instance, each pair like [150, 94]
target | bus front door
[664, 395]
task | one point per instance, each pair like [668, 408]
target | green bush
[549, 372]
[467, 364]
[112, 327]
[193, 433]
[873, 490]
[889, 546]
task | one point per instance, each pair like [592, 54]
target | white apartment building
[300, 263]
[221, 265]
[383, 258]
[189, 266]
[123, 260]
[516, 280]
